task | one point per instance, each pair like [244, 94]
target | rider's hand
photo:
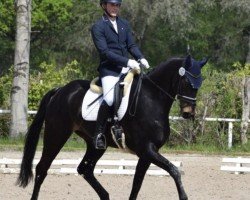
[144, 62]
[133, 64]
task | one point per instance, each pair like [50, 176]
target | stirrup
[118, 136]
[100, 141]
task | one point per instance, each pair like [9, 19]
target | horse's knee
[85, 168]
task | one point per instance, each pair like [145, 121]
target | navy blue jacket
[113, 47]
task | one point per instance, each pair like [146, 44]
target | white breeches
[108, 86]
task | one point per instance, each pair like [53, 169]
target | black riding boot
[99, 138]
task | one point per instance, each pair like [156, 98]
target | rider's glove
[133, 64]
[144, 62]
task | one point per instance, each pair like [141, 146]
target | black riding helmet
[110, 1]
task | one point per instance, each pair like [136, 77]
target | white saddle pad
[89, 113]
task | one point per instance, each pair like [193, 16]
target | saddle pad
[89, 113]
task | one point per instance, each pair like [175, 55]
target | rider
[113, 39]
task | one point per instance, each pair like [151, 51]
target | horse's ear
[188, 62]
[203, 62]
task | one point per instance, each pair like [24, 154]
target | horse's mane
[170, 63]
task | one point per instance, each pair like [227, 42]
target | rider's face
[113, 8]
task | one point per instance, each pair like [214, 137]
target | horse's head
[190, 82]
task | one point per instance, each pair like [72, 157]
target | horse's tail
[31, 141]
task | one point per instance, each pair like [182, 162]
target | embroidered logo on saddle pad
[90, 109]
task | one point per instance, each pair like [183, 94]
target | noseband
[187, 99]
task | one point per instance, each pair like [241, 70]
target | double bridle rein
[190, 100]
[179, 96]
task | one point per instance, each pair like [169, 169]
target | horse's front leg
[141, 168]
[162, 162]
[86, 169]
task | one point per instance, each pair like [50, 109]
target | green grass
[73, 144]
[77, 144]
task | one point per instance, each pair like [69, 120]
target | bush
[219, 97]
[49, 77]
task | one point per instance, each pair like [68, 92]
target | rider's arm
[101, 45]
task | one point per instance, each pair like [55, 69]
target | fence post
[230, 134]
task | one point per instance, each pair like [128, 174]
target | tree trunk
[248, 54]
[19, 91]
[246, 108]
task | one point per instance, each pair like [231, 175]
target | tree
[7, 35]
[19, 91]
[246, 109]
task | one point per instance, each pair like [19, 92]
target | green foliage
[163, 29]
[7, 14]
[48, 77]
[241, 70]
[5, 87]
[49, 18]
[219, 97]
[47, 10]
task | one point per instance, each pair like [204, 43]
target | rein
[138, 89]
[158, 87]
[134, 103]
[179, 96]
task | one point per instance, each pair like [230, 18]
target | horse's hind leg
[86, 169]
[157, 159]
[140, 171]
[54, 139]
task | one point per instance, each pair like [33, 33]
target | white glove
[133, 64]
[144, 62]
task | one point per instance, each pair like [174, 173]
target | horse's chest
[156, 131]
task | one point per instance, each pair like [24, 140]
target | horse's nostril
[187, 115]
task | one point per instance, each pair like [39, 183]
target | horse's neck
[165, 75]
[159, 87]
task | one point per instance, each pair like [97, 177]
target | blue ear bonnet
[193, 74]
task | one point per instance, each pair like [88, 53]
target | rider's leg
[99, 138]
[108, 83]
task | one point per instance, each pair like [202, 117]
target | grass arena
[202, 179]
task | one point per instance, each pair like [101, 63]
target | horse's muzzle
[188, 112]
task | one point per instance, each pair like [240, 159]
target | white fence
[68, 166]
[230, 123]
[236, 165]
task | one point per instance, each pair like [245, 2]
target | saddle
[93, 99]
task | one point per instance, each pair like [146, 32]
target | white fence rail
[236, 165]
[230, 123]
[68, 166]
[228, 120]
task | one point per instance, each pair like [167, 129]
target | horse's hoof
[184, 198]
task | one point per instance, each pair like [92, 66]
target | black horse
[145, 132]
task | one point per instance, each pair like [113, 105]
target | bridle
[179, 96]
[184, 98]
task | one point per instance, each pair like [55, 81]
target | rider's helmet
[110, 1]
